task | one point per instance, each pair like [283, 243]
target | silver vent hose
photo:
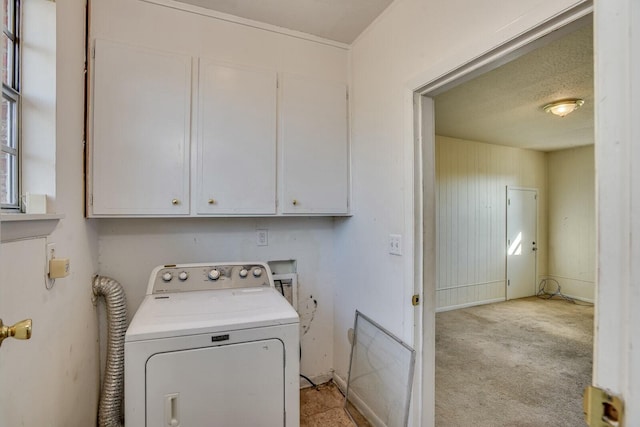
[110, 409]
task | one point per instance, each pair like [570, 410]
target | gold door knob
[295, 202]
[175, 202]
[212, 202]
[20, 331]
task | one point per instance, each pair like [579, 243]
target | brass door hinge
[415, 300]
[602, 409]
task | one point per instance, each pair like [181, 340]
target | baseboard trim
[578, 289]
[317, 379]
[469, 304]
[590, 301]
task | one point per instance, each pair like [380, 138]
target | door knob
[20, 331]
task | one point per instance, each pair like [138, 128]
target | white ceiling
[338, 20]
[504, 106]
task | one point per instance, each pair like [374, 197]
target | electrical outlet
[395, 244]
[51, 254]
[262, 237]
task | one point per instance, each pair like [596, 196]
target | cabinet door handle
[175, 202]
[294, 202]
[212, 201]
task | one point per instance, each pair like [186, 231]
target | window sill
[19, 226]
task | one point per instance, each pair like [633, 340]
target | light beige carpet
[519, 363]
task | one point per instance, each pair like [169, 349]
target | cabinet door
[236, 166]
[313, 131]
[141, 131]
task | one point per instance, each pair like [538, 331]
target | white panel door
[521, 242]
[237, 140]
[239, 385]
[141, 131]
[313, 132]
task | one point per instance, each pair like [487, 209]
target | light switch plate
[262, 237]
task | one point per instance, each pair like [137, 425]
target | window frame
[11, 93]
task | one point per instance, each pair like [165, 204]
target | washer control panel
[200, 277]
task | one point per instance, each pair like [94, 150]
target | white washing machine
[212, 345]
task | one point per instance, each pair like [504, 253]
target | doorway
[427, 142]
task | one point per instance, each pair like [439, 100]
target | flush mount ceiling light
[564, 107]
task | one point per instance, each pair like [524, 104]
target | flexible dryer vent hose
[110, 410]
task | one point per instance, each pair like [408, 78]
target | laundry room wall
[471, 223]
[53, 379]
[572, 221]
[131, 248]
[411, 43]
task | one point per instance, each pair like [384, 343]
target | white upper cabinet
[264, 143]
[314, 148]
[141, 131]
[236, 153]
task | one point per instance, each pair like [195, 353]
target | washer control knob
[183, 275]
[214, 274]
[167, 276]
[257, 272]
[243, 273]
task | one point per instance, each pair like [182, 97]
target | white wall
[164, 28]
[52, 380]
[39, 98]
[470, 217]
[129, 249]
[471, 181]
[572, 222]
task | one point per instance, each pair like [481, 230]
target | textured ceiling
[338, 20]
[504, 106]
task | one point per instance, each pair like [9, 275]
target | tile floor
[323, 406]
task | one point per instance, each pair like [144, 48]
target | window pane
[8, 187]
[8, 14]
[7, 61]
[4, 131]
[8, 135]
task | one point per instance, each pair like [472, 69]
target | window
[10, 135]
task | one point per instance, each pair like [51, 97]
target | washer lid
[188, 313]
